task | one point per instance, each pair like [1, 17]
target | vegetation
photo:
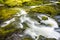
[45, 10]
[7, 13]
[27, 38]
[7, 31]
[12, 3]
[44, 18]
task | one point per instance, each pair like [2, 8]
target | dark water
[58, 20]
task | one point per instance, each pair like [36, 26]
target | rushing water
[36, 28]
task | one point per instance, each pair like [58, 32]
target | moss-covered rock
[27, 38]
[25, 25]
[7, 13]
[36, 2]
[44, 38]
[13, 3]
[45, 10]
[7, 31]
[44, 18]
[33, 2]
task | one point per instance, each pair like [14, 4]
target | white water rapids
[35, 29]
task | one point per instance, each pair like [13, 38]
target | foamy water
[35, 30]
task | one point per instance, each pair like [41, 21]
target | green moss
[33, 16]
[27, 38]
[7, 31]
[31, 3]
[44, 18]
[7, 13]
[13, 3]
[25, 25]
[1, 1]
[45, 10]
[36, 2]
[49, 25]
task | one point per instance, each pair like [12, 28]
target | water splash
[50, 21]
[35, 29]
